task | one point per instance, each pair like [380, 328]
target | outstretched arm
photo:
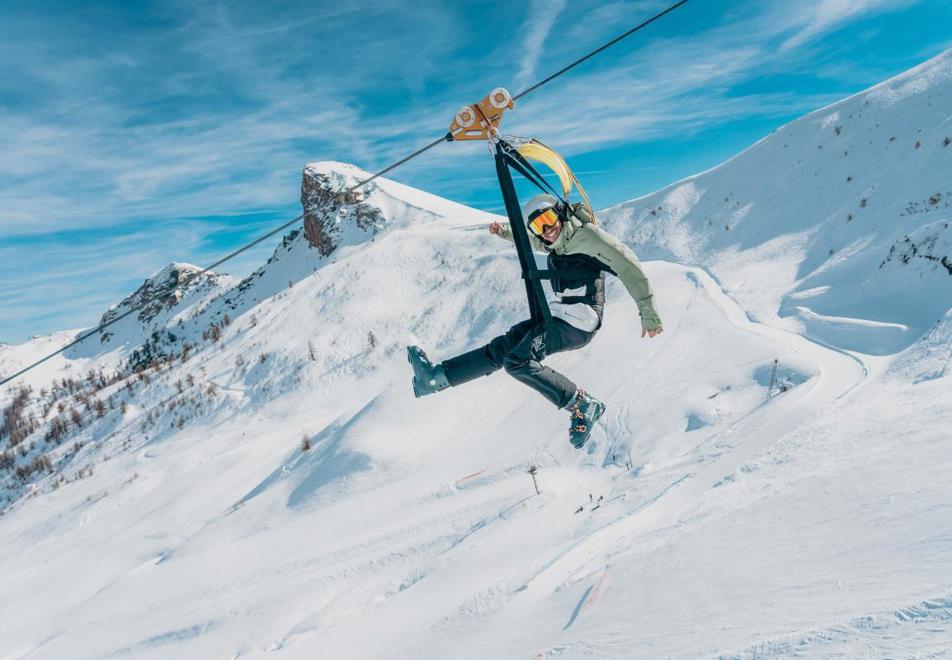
[503, 230]
[625, 265]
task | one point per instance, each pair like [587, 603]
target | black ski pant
[520, 352]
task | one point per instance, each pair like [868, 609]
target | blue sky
[135, 134]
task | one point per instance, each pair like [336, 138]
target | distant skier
[583, 253]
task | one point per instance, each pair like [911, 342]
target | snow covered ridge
[930, 243]
[124, 379]
[327, 220]
[166, 302]
[928, 358]
[826, 200]
[160, 292]
[177, 316]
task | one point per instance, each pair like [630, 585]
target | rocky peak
[327, 218]
[160, 292]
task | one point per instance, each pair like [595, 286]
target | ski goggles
[539, 221]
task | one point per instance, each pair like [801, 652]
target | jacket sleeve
[534, 241]
[621, 260]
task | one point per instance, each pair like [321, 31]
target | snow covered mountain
[842, 216]
[241, 470]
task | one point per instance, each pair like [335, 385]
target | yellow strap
[537, 151]
[541, 153]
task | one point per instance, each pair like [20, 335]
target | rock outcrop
[326, 217]
[162, 292]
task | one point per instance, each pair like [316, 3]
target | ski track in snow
[839, 373]
[925, 627]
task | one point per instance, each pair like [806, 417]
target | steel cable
[447, 137]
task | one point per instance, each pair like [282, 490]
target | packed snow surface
[770, 478]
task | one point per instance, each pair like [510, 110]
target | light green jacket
[586, 238]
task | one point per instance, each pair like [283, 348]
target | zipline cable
[448, 137]
[595, 52]
[190, 278]
[400, 162]
[135, 308]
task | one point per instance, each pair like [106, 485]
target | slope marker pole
[532, 470]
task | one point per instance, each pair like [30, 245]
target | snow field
[812, 524]
[370, 525]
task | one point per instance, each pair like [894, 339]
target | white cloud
[217, 114]
[532, 36]
[69, 282]
[826, 15]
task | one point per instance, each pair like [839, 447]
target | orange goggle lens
[545, 219]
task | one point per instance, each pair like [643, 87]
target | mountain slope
[276, 489]
[837, 222]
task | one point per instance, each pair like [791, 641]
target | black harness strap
[538, 307]
[560, 274]
[526, 169]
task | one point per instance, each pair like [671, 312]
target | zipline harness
[480, 121]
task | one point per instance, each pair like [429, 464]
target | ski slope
[809, 522]
[837, 374]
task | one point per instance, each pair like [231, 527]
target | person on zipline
[579, 253]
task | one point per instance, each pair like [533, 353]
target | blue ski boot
[427, 377]
[585, 410]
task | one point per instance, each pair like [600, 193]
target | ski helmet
[538, 204]
[541, 211]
